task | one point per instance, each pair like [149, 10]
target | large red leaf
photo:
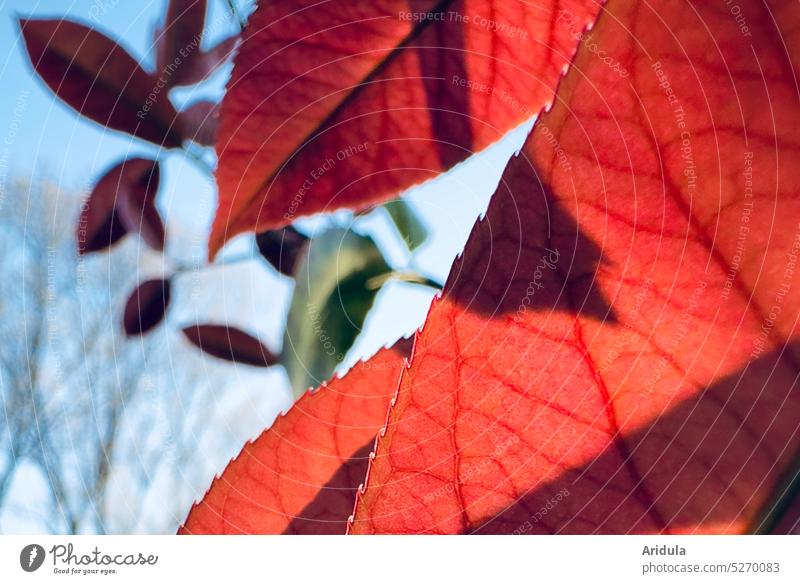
[100, 80]
[617, 349]
[344, 104]
[301, 475]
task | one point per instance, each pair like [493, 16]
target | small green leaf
[335, 277]
[407, 223]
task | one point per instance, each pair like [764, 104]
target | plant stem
[235, 13]
[410, 277]
[181, 268]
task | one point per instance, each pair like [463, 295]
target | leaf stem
[235, 14]
[198, 160]
[410, 277]
[182, 268]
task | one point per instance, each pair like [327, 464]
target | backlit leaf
[617, 349]
[346, 104]
[301, 475]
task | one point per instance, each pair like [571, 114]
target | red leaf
[100, 80]
[617, 350]
[207, 62]
[177, 42]
[146, 307]
[301, 475]
[99, 225]
[199, 122]
[136, 202]
[230, 344]
[340, 104]
[281, 248]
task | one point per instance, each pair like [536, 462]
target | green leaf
[409, 226]
[337, 275]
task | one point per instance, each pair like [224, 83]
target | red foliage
[616, 350]
[639, 369]
[100, 80]
[123, 200]
[345, 104]
[146, 306]
[136, 204]
[230, 344]
[302, 474]
[179, 56]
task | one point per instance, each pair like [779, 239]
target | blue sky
[41, 137]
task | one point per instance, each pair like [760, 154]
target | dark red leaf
[199, 122]
[281, 248]
[146, 306]
[136, 201]
[180, 60]
[177, 41]
[230, 344]
[99, 225]
[100, 80]
[207, 62]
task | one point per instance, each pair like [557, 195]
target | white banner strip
[400, 559]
